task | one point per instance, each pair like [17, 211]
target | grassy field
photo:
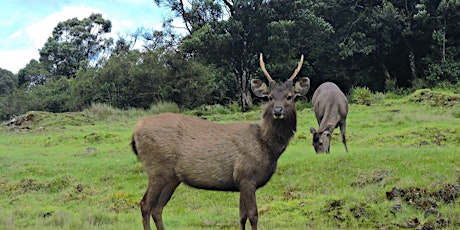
[77, 171]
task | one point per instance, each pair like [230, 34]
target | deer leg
[165, 196]
[342, 132]
[243, 214]
[145, 210]
[149, 200]
[146, 205]
[248, 201]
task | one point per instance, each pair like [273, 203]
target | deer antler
[297, 70]
[262, 66]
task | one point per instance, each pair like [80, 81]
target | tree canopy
[383, 45]
[75, 43]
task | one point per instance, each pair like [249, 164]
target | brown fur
[331, 108]
[241, 157]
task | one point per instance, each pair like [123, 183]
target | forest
[383, 45]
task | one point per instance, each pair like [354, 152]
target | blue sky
[25, 25]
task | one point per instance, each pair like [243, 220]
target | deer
[331, 108]
[236, 157]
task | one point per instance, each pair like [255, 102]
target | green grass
[77, 171]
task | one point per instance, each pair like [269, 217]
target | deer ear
[259, 88]
[302, 86]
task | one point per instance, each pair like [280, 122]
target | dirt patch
[426, 201]
[28, 185]
[423, 199]
[342, 213]
[375, 178]
[334, 209]
[39, 120]
[123, 202]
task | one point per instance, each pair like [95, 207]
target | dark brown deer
[331, 108]
[239, 157]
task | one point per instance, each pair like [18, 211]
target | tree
[75, 43]
[34, 73]
[8, 86]
[252, 27]
[8, 82]
[200, 12]
[443, 62]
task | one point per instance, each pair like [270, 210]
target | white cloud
[127, 23]
[40, 31]
[22, 45]
[14, 60]
[17, 34]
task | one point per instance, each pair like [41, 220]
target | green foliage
[362, 95]
[448, 71]
[74, 44]
[33, 74]
[386, 46]
[302, 104]
[8, 82]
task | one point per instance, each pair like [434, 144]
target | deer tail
[133, 145]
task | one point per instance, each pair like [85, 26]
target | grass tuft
[163, 107]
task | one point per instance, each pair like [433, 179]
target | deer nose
[278, 112]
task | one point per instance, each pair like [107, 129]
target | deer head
[281, 95]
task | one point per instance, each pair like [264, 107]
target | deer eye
[289, 97]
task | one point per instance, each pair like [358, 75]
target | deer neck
[276, 133]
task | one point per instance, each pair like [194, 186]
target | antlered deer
[238, 157]
[331, 108]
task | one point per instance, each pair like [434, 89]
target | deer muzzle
[278, 113]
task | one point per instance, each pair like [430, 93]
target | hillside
[77, 171]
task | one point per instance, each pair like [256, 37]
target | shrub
[361, 95]
[303, 104]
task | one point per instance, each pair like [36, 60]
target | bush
[446, 71]
[303, 104]
[361, 95]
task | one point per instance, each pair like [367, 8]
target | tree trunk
[412, 66]
[241, 78]
[246, 100]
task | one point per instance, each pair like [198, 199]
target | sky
[25, 25]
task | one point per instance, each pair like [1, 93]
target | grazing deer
[240, 157]
[331, 108]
